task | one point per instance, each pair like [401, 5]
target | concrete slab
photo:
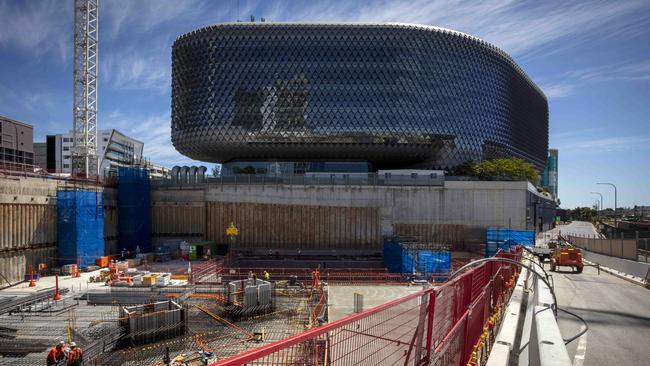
[341, 297]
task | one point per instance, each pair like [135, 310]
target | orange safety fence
[448, 325]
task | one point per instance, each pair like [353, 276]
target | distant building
[16, 145]
[296, 98]
[642, 212]
[549, 175]
[114, 149]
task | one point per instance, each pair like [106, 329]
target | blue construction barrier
[134, 209]
[399, 258]
[80, 225]
[505, 238]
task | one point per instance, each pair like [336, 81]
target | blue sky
[591, 58]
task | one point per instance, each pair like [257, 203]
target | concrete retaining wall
[457, 213]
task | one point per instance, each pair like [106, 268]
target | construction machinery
[566, 255]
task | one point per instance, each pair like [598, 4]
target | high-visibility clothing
[75, 357]
[55, 354]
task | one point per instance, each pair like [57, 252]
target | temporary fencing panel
[80, 226]
[446, 325]
[134, 209]
[505, 238]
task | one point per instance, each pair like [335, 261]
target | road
[617, 311]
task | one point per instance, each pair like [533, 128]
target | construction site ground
[341, 297]
[37, 329]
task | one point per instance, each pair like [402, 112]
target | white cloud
[560, 90]
[154, 130]
[38, 28]
[634, 71]
[606, 144]
[511, 25]
[143, 16]
[134, 69]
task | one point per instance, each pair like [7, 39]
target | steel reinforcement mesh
[448, 325]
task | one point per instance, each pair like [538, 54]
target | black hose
[538, 264]
[583, 331]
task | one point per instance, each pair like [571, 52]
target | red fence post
[431, 312]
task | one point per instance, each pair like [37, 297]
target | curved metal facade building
[394, 95]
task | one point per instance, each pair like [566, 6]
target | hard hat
[73, 344]
[61, 343]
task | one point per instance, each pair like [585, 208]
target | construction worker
[75, 357]
[56, 354]
[267, 276]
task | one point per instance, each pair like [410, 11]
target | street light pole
[615, 194]
[601, 200]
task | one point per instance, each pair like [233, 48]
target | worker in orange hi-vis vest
[75, 357]
[56, 354]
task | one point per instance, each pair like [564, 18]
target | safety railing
[448, 325]
[333, 275]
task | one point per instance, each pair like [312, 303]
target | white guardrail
[529, 333]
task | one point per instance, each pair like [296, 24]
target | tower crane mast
[84, 108]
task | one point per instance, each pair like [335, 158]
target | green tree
[464, 169]
[507, 169]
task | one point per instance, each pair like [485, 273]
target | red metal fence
[448, 325]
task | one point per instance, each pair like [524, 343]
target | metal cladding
[396, 95]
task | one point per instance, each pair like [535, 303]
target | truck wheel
[579, 269]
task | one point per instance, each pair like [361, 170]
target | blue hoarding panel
[134, 209]
[505, 238]
[399, 258]
[80, 225]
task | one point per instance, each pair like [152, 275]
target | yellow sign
[232, 230]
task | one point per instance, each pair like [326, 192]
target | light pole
[615, 194]
[601, 201]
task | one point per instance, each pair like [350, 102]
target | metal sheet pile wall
[280, 226]
[28, 230]
[446, 325]
[451, 234]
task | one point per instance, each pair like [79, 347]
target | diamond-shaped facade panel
[394, 95]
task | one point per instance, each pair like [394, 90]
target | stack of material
[153, 322]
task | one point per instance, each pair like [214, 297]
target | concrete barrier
[529, 333]
[504, 343]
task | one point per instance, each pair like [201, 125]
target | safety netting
[506, 238]
[134, 209]
[400, 258]
[80, 226]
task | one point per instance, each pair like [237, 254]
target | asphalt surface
[617, 311]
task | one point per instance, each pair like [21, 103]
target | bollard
[57, 295]
[31, 277]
